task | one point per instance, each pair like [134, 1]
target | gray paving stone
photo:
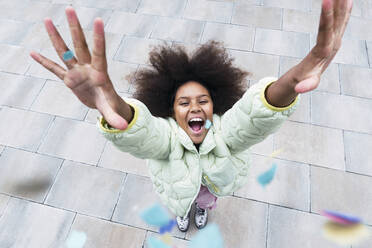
[113, 158]
[19, 91]
[36, 11]
[356, 81]
[112, 43]
[292, 228]
[289, 175]
[257, 16]
[37, 37]
[136, 196]
[131, 24]
[4, 199]
[175, 242]
[37, 70]
[234, 214]
[352, 51]
[357, 152]
[233, 36]
[339, 111]
[8, 11]
[180, 30]
[302, 113]
[86, 16]
[265, 147]
[162, 7]
[101, 233]
[367, 9]
[11, 57]
[209, 11]
[359, 28]
[259, 65]
[86, 189]
[24, 129]
[136, 50]
[369, 51]
[57, 99]
[28, 224]
[118, 72]
[123, 5]
[303, 5]
[27, 175]
[310, 144]
[350, 193]
[329, 80]
[300, 21]
[281, 43]
[73, 140]
[1, 149]
[12, 32]
[365, 243]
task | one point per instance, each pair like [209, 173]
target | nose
[195, 107]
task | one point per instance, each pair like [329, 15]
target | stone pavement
[58, 174]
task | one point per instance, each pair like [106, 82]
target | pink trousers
[206, 199]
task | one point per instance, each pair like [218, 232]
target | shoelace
[200, 211]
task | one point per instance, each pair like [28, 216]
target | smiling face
[191, 108]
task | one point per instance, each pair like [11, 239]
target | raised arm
[86, 74]
[266, 105]
[305, 76]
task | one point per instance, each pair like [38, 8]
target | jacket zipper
[209, 182]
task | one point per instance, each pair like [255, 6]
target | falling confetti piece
[209, 236]
[156, 216]
[345, 235]
[155, 243]
[341, 218]
[76, 239]
[68, 55]
[266, 177]
[168, 227]
[208, 124]
[166, 238]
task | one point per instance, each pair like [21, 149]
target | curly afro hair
[209, 65]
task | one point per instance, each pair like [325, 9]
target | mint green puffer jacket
[177, 169]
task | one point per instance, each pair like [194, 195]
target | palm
[86, 74]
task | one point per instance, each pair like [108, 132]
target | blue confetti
[168, 227]
[266, 177]
[76, 239]
[155, 243]
[156, 216]
[68, 55]
[208, 124]
[209, 236]
[344, 217]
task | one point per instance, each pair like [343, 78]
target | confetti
[168, 227]
[341, 218]
[266, 177]
[210, 236]
[166, 238]
[155, 243]
[345, 235]
[208, 124]
[156, 216]
[76, 239]
[68, 55]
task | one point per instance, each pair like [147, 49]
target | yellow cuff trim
[268, 105]
[106, 127]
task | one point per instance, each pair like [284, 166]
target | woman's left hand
[305, 76]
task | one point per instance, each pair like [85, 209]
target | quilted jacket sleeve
[252, 118]
[146, 136]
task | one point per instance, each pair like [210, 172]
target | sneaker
[183, 223]
[201, 217]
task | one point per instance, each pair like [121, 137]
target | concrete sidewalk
[59, 175]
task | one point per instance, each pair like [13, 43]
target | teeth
[196, 119]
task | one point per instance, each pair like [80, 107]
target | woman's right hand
[86, 74]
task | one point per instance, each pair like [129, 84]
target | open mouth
[196, 125]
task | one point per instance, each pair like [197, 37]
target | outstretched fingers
[56, 69]
[99, 61]
[78, 38]
[58, 43]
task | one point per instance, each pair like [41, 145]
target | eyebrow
[186, 97]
